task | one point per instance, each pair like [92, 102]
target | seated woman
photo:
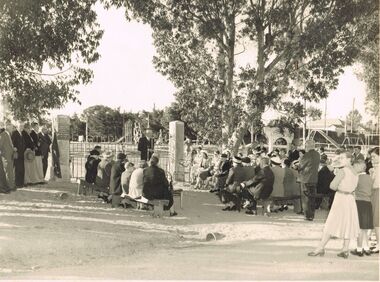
[136, 181]
[291, 187]
[91, 166]
[126, 177]
[203, 171]
[156, 185]
[279, 173]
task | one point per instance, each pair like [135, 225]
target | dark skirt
[365, 214]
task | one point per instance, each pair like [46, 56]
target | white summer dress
[343, 221]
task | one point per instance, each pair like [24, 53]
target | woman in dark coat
[92, 166]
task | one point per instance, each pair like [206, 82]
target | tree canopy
[39, 35]
[299, 50]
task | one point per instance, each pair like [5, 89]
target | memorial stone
[61, 125]
[176, 151]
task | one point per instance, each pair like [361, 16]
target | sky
[125, 77]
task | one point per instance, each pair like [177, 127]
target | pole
[326, 115]
[352, 115]
[252, 134]
[304, 125]
[86, 128]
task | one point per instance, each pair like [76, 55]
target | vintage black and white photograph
[189, 140]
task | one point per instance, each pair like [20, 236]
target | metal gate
[79, 152]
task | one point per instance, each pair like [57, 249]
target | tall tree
[300, 49]
[38, 35]
[354, 118]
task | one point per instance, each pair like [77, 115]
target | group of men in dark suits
[14, 141]
[241, 179]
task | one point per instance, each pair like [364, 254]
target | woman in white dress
[342, 221]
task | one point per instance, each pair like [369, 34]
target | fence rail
[79, 152]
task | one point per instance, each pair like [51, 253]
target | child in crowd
[363, 202]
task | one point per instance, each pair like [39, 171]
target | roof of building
[328, 123]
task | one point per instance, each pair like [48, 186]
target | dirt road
[45, 237]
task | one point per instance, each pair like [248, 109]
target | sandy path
[43, 237]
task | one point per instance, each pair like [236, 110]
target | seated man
[230, 194]
[260, 187]
[102, 180]
[156, 185]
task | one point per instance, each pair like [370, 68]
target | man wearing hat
[91, 166]
[102, 180]
[308, 175]
[259, 187]
[221, 173]
[115, 179]
[7, 153]
[236, 176]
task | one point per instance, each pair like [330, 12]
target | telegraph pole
[352, 115]
[326, 115]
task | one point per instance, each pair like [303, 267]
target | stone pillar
[61, 124]
[128, 129]
[176, 153]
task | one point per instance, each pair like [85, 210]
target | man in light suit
[7, 154]
[308, 175]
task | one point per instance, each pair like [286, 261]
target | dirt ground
[45, 237]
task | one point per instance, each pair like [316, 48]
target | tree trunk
[239, 132]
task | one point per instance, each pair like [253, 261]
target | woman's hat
[275, 160]
[246, 160]
[107, 154]
[29, 155]
[236, 159]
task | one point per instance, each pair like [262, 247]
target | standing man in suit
[7, 152]
[293, 154]
[18, 143]
[45, 142]
[308, 174]
[146, 145]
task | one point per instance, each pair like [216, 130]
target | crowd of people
[306, 179]
[24, 151]
[120, 182]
